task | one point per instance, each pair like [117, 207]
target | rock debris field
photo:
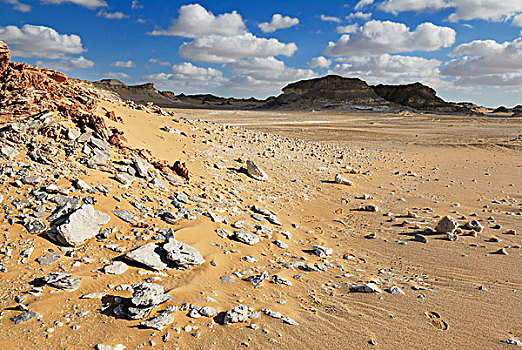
[126, 226]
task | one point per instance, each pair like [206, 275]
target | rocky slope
[128, 226]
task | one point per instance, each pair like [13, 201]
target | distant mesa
[421, 98]
[337, 93]
[148, 93]
[329, 93]
[517, 111]
[501, 109]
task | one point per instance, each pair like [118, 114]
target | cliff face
[148, 93]
[343, 94]
[138, 93]
[419, 97]
[330, 92]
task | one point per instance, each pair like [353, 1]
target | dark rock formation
[145, 93]
[330, 92]
[138, 93]
[501, 109]
[419, 97]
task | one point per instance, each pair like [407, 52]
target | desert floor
[458, 294]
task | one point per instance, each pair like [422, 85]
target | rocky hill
[419, 97]
[138, 93]
[146, 93]
[337, 93]
[331, 92]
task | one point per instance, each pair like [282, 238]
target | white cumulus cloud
[517, 20]
[90, 4]
[195, 21]
[67, 64]
[486, 62]
[379, 37]
[124, 64]
[161, 63]
[135, 5]
[267, 74]
[349, 29]
[111, 15]
[491, 10]
[40, 41]
[278, 22]
[319, 62]
[187, 77]
[114, 75]
[81, 62]
[363, 3]
[18, 6]
[326, 18]
[397, 6]
[391, 69]
[217, 48]
[358, 15]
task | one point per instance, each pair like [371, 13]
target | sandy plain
[458, 295]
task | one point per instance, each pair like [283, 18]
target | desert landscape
[275, 175]
[131, 226]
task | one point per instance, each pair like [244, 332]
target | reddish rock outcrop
[181, 170]
[5, 56]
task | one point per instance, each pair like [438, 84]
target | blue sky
[468, 50]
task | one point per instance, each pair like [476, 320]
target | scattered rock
[158, 322]
[49, 259]
[276, 279]
[148, 294]
[420, 238]
[116, 268]
[148, 255]
[447, 225]
[181, 254]
[474, 225]
[502, 251]
[512, 341]
[208, 311]
[256, 172]
[246, 237]
[257, 280]
[109, 347]
[342, 180]
[62, 281]
[181, 170]
[80, 226]
[34, 225]
[123, 214]
[366, 288]
[370, 207]
[321, 251]
[238, 314]
[395, 290]
[26, 316]
[8, 151]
